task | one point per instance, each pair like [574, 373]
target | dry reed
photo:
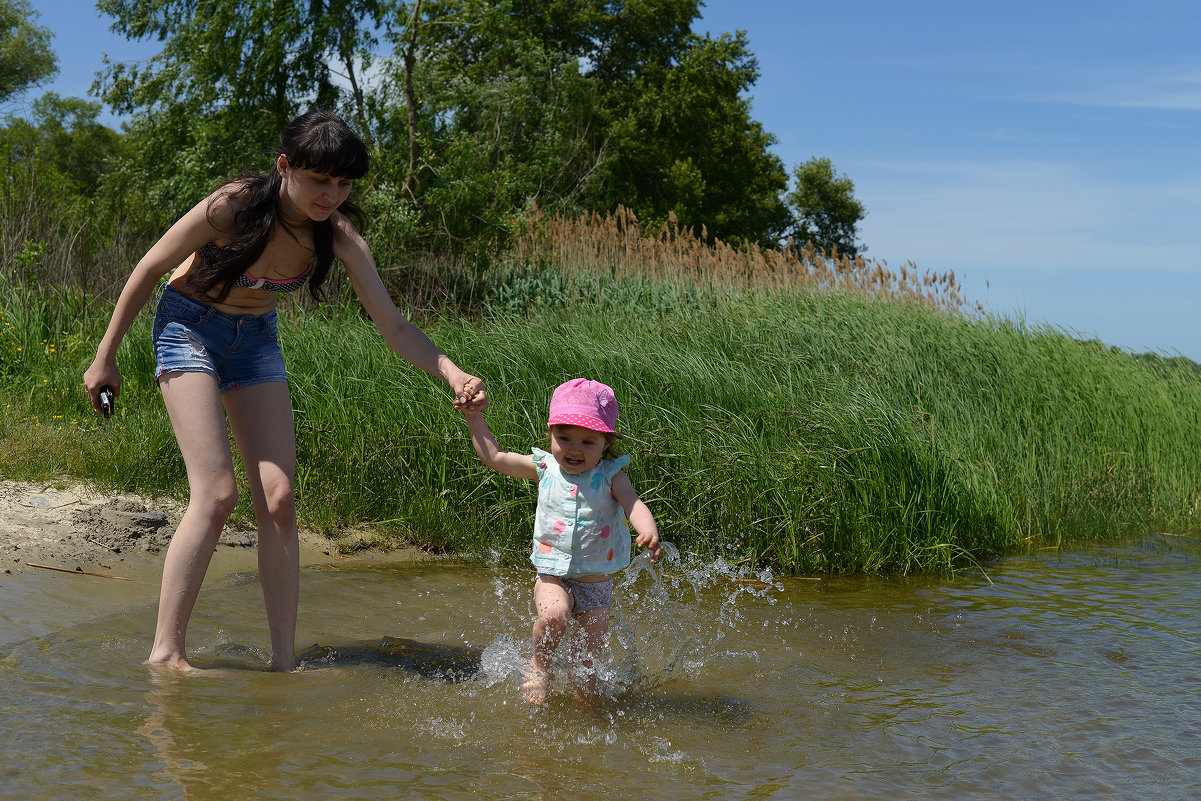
[618, 241]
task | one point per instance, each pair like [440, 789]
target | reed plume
[618, 243]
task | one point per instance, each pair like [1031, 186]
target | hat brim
[583, 421]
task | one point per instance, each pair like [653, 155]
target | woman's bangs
[326, 152]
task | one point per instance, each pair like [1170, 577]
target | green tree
[480, 119]
[572, 104]
[671, 125]
[485, 110]
[64, 132]
[26, 58]
[825, 210]
[229, 77]
[683, 142]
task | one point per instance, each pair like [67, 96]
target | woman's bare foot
[179, 665]
[282, 665]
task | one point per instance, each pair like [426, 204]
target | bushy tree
[685, 144]
[826, 211]
[485, 109]
[26, 57]
[229, 77]
[572, 105]
[502, 122]
[64, 132]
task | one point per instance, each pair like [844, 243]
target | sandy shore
[70, 554]
[74, 527]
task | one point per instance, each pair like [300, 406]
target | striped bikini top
[248, 281]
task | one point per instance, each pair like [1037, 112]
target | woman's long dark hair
[317, 140]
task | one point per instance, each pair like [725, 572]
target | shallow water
[1074, 675]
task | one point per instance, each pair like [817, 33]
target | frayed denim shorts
[239, 350]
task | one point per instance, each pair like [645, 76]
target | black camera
[106, 400]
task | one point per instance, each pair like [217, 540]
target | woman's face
[308, 194]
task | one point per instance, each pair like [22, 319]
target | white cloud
[1055, 243]
[1137, 87]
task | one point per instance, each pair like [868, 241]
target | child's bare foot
[588, 691]
[536, 686]
[588, 700]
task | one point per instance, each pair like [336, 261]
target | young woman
[217, 358]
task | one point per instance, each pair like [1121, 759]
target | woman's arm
[172, 249]
[406, 339]
[640, 517]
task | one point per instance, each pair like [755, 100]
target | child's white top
[580, 528]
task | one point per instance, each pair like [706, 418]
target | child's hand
[473, 408]
[473, 399]
[650, 541]
[641, 519]
[471, 395]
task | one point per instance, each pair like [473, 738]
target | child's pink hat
[585, 403]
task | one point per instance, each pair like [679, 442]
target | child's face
[577, 449]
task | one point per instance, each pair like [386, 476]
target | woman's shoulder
[349, 245]
[227, 200]
[343, 226]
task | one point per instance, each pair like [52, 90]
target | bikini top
[248, 281]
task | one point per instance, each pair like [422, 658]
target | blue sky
[1047, 152]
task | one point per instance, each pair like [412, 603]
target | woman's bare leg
[261, 419]
[198, 419]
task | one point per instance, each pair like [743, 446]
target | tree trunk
[410, 58]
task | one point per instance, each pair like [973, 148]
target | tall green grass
[811, 431]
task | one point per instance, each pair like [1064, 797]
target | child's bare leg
[587, 641]
[553, 602]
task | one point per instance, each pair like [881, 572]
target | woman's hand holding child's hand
[473, 409]
[471, 398]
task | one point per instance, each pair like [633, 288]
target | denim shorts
[239, 350]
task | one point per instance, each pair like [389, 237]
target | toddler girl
[580, 534]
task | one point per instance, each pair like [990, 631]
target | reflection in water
[167, 714]
[1074, 675]
[187, 724]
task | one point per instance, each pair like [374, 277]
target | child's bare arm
[518, 465]
[640, 517]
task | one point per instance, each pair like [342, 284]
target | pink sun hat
[585, 403]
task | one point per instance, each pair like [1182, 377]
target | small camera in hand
[106, 400]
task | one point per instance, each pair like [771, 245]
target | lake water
[1073, 676]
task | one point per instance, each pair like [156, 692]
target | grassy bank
[813, 431]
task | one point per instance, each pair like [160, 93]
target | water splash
[655, 622]
[500, 660]
[668, 620]
[664, 621]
